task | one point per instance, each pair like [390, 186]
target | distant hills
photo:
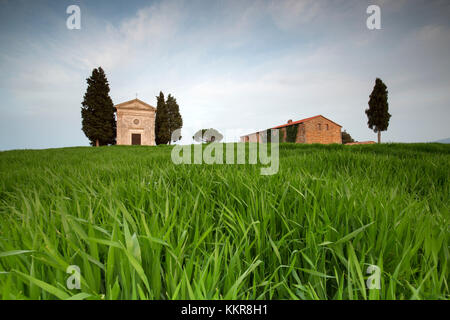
[444, 140]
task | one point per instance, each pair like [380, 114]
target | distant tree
[97, 111]
[207, 135]
[162, 135]
[346, 137]
[175, 120]
[168, 119]
[377, 113]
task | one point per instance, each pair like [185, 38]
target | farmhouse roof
[303, 120]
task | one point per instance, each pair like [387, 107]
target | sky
[237, 66]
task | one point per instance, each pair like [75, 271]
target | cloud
[293, 13]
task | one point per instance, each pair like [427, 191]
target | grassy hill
[140, 227]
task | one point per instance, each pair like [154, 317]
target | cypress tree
[175, 120]
[162, 135]
[97, 111]
[377, 113]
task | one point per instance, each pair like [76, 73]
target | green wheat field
[140, 227]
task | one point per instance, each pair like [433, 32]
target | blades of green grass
[14, 253]
[45, 286]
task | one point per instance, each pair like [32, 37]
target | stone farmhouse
[317, 129]
[135, 123]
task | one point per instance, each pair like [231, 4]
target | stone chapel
[135, 123]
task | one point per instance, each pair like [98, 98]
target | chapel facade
[135, 123]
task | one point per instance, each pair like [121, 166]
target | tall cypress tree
[97, 111]
[161, 121]
[377, 114]
[175, 119]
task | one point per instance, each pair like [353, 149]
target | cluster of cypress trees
[168, 119]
